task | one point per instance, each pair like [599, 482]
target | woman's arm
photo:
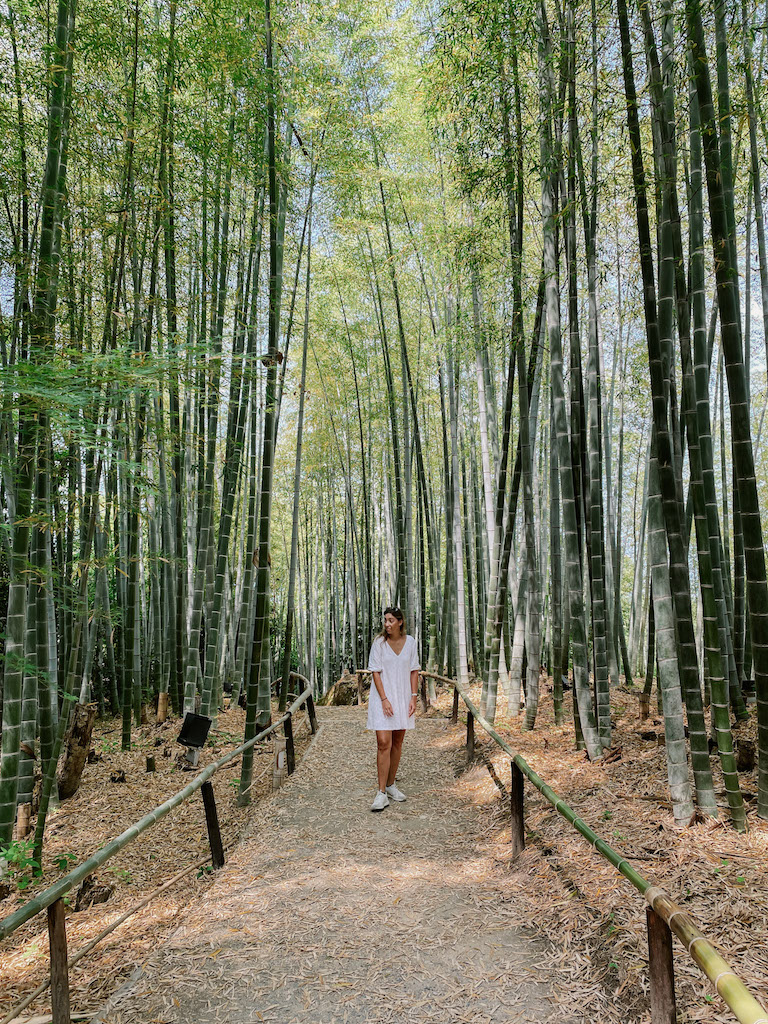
[414, 692]
[386, 707]
[379, 685]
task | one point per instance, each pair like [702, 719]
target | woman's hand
[412, 704]
[386, 707]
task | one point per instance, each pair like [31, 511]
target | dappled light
[338, 333]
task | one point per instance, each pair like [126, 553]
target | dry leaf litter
[328, 912]
[592, 916]
[101, 810]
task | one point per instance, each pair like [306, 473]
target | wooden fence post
[470, 735]
[278, 770]
[290, 750]
[661, 969]
[517, 808]
[57, 937]
[312, 714]
[212, 822]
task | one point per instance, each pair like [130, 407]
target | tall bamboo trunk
[727, 294]
[568, 495]
[297, 479]
[256, 711]
[658, 321]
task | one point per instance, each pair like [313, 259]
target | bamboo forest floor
[326, 912]
[100, 810]
[329, 913]
[594, 919]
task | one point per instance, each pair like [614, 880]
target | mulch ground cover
[117, 790]
[589, 913]
[592, 919]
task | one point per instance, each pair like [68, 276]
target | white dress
[395, 671]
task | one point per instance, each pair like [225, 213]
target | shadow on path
[329, 914]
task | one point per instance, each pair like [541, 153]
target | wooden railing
[51, 898]
[664, 916]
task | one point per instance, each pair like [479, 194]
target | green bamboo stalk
[568, 496]
[69, 695]
[532, 611]
[658, 321]
[192, 669]
[235, 438]
[757, 590]
[257, 685]
[297, 475]
[452, 387]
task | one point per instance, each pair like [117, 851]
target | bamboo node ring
[722, 974]
[652, 893]
[672, 917]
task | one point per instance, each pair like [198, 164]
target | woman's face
[392, 625]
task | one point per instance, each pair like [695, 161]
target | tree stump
[162, 708]
[92, 892]
[76, 748]
[345, 691]
[23, 820]
[279, 769]
[745, 755]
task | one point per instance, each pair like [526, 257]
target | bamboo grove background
[305, 311]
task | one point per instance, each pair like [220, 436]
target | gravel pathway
[328, 913]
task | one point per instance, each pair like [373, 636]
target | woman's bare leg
[384, 755]
[398, 735]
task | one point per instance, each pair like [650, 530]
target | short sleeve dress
[395, 670]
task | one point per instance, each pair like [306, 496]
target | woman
[394, 662]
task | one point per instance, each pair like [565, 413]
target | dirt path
[329, 913]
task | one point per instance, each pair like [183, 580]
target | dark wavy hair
[400, 618]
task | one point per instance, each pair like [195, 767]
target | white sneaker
[380, 801]
[395, 794]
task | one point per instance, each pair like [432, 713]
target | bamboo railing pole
[517, 809]
[14, 1012]
[212, 824]
[661, 969]
[727, 984]
[289, 745]
[312, 714]
[9, 924]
